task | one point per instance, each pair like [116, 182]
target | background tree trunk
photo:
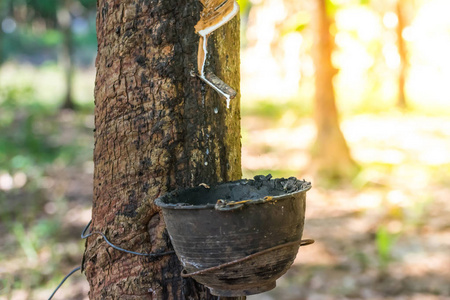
[65, 23]
[67, 58]
[5, 8]
[157, 128]
[1, 41]
[331, 154]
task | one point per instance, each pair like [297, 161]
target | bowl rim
[160, 200]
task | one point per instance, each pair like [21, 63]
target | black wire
[62, 282]
[84, 236]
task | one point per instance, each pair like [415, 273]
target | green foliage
[331, 7]
[46, 9]
[38, 36]
[23, 42]
[385, 241]
[245, 6]
[271, 110]
[27, 133]
[51, 38]
[23, 140]
[89, 4]
[297, 23]
[38, 141]
[25, 242]
[36, 237]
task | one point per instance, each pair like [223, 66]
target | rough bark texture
[331, 153]
[157, 128]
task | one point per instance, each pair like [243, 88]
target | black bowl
[237, 238]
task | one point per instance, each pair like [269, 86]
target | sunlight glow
[390, 20]
[397, 197]
[6, 182]
[266, 77]
[361, 20]
[368, 200]
[429, 55]
[391, 56]
[19, 179]
[8, 25]
[408, 34]
[291, 62]
[275, 65]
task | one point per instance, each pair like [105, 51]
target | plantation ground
[383, 235]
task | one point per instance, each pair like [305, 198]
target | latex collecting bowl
[237, 238]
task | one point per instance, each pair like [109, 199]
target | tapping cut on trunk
[215, 14]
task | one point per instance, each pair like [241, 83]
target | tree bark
[331, 154]
[157, 129]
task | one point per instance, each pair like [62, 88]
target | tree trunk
[68, 66]
[1, 42]
[65, 23]
[157, 129]
[401, 100]
[331, 154]
[4, 10]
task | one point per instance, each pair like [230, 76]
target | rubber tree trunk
[331, 154]
[402, 51]
[157, 128]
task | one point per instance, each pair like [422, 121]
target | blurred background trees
[373, 93]
[42, 31]
[331, 155]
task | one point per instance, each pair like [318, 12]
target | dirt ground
[386, 234]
